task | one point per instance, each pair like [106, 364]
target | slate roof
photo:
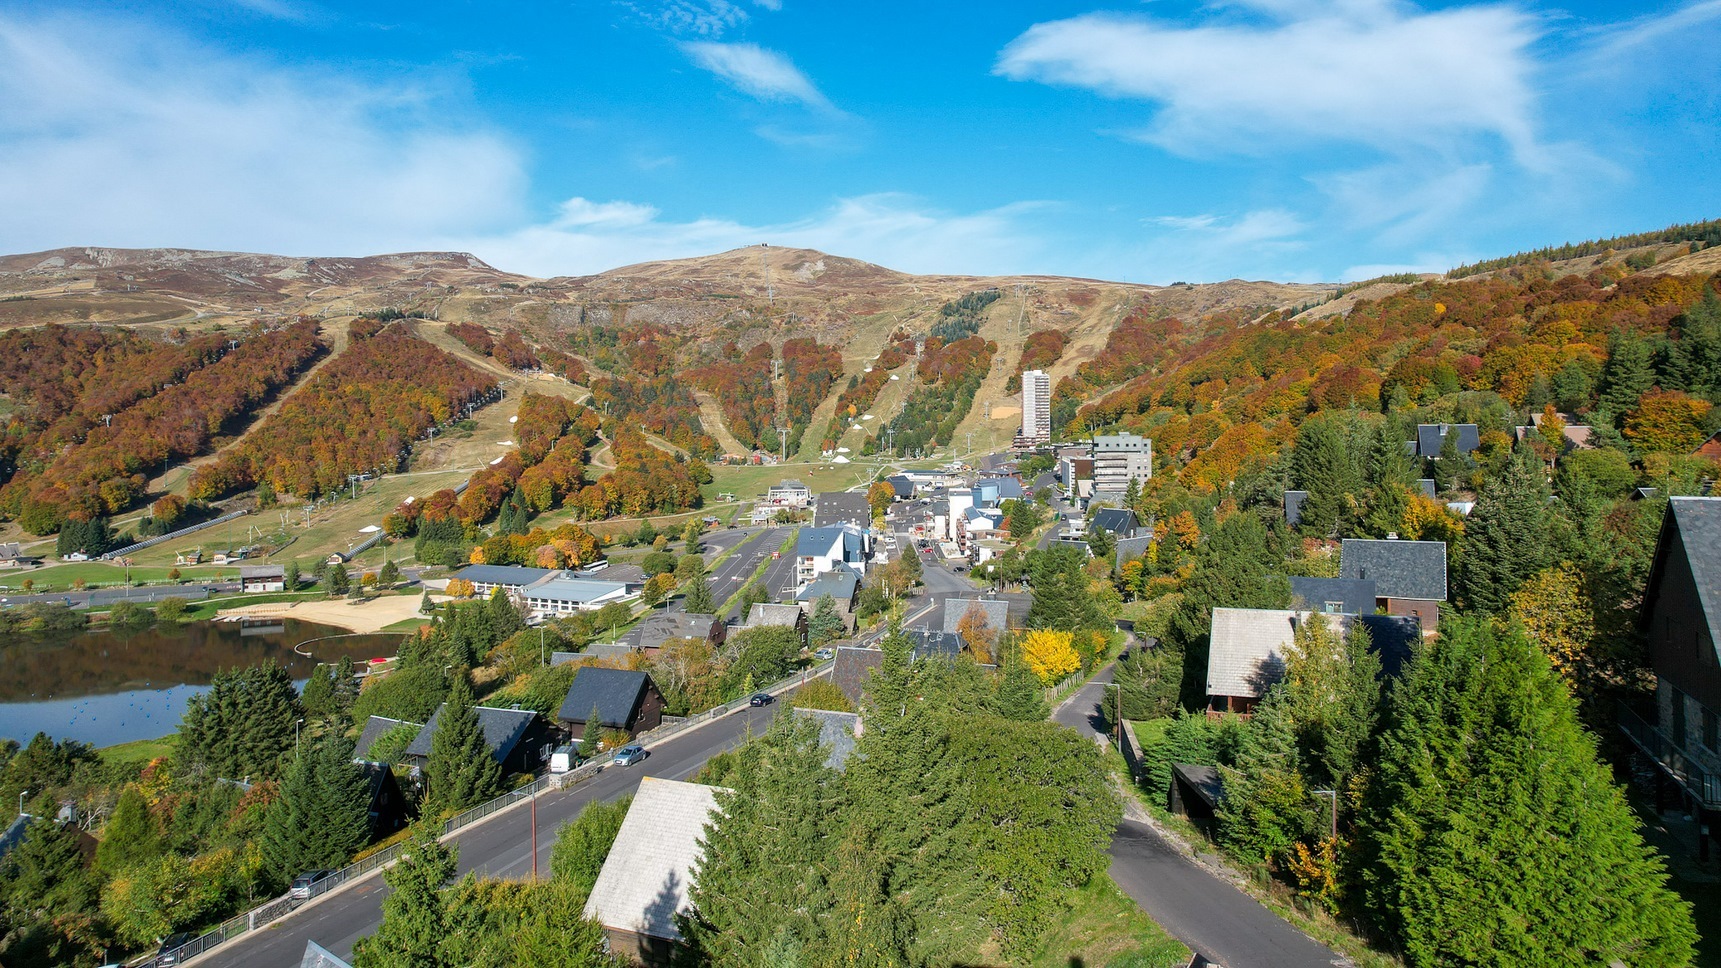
[1206, 781]
[1128, 548]
[1698, 520]
[1429, 437]
[820, 541]
[838, 731]
[903, 487]
[502, 729]
[661, 626]
[615, 692]
[852, 669]
[788, 616]
[841, 584]
[502, 574]
[375, 727]
[13, 835]
[317, 956]
[1427, 486]
[1394, 638]
[626, 574]
[842, 507]
[1354, 596]
[1008, 487]
[1294, 507]
[997, 613]
[1399, 569]
[646, 878]
[1119, 521]
[262, 571]
[929, 643]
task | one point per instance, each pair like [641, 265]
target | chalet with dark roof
[1409, 576]
[663, 625]
[1681, 618]
[934, 644]
[1120, 522]
[519, 739]
[852, 669]
[995, 612]
[763, 615]
[375, 728]
[1294, 507]
[1333, 595]
[837, 508]
[624, 700]
[1431, 437]
[1129, 549]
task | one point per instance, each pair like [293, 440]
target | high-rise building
[1120, 458]
[1036, 406]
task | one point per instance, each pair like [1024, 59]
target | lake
[106, 687]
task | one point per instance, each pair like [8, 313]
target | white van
[564, 759]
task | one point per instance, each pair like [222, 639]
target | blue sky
[1148, 142]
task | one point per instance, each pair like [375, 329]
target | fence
[280, 907]
[1703, 786]
[182, 532]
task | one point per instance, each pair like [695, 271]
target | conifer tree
[1493, 834]
[1506, 539]
[826, 624]
[131, 835]
[502, 619]
[463, 773]
[1628, 372]
[415, 914]
[425, 605]
[389, 576]
[318, 698]
[1321, 465]
[589, 735]
[1020, 696]
[290, 577]
[1236, 567]
[322, 815]
[698, 600]
[337, 582]
[243, 726]
[1694, 360]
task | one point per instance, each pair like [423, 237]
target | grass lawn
[1105, 929]
[747, 481]
[137, 753]
[207, 609]
[407, 625]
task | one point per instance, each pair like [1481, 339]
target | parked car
[304, 884]
[760, 699]
[170, 945]
[629, 755]
[824, 654]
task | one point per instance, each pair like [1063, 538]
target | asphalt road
[1214, 918]
[499, 847]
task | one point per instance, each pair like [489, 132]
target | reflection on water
[107, 687]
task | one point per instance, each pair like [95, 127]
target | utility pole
[783, 436]
[764, 260]
[970, 435]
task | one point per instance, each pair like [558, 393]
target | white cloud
[892, 230]
[1297, 72]
[1199, 248]
[756, 71]
[115, 134]
[1623, 38]
[690, 18]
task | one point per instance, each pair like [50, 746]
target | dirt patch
[372, 615]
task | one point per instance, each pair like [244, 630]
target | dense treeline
[809, 370]
[106, 472]
[1703, 233]
[646, 480]
[742, 385]
[1041, 350]
[647, 350]
[1225, 397]
[661, 405]
[510, 349]
[949, 375]
[358, 415]
[960, 318]
[864, 388]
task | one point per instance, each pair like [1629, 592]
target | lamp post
[21, 797]
[1332, 795]
[296, 726]
[1116, 711]
[543, 659]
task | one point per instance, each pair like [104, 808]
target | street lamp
[296, 726]
[542, 658]
[1116, 712]
[21, 797]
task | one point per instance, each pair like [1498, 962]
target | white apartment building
[1118, 458]
[1036, 405]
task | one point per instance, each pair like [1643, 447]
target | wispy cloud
[1652, 29]
[1300, 73]
[758, 72]
[690, 18]
[116, 134]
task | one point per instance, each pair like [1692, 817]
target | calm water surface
[105, 687]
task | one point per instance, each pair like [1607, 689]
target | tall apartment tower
[1036, 406]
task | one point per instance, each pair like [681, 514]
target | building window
[1709, 728]
[1678, 718]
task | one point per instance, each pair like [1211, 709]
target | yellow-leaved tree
[1050, 654]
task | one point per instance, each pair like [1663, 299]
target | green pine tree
[463, 773]
[826, 623]
[1493, 833]
[1322, 466]
[389, 576]
[1506, 539]
[322, 815]
[131, 836]
[690, 537]
[290, 578]
[1235, 567]
[589, 735]
[698, 600]
[1628, 372]
[425, 605]
[243, 726]
[50, 896]
[337, 582]
[583, 845]
[415, 914]
[318, 698]
[1020, 695]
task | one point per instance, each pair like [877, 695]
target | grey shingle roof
[502, 730]
[1698, 520]
[840, 584]
[852, 669]
[1294, 507]
[1247, 650]
[1394, 638]
[1429, 438]
[842, 507]
[1426, 484]
[997, 613]
[788, 616]
[651, 866]
[1354, 596]
[1118, 521]
[661, 626]
[616, 693]
[1399, 569]
[375, 727]
[837, 731]
[929, 643]
[1128, 548]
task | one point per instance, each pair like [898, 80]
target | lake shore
[354, 615]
